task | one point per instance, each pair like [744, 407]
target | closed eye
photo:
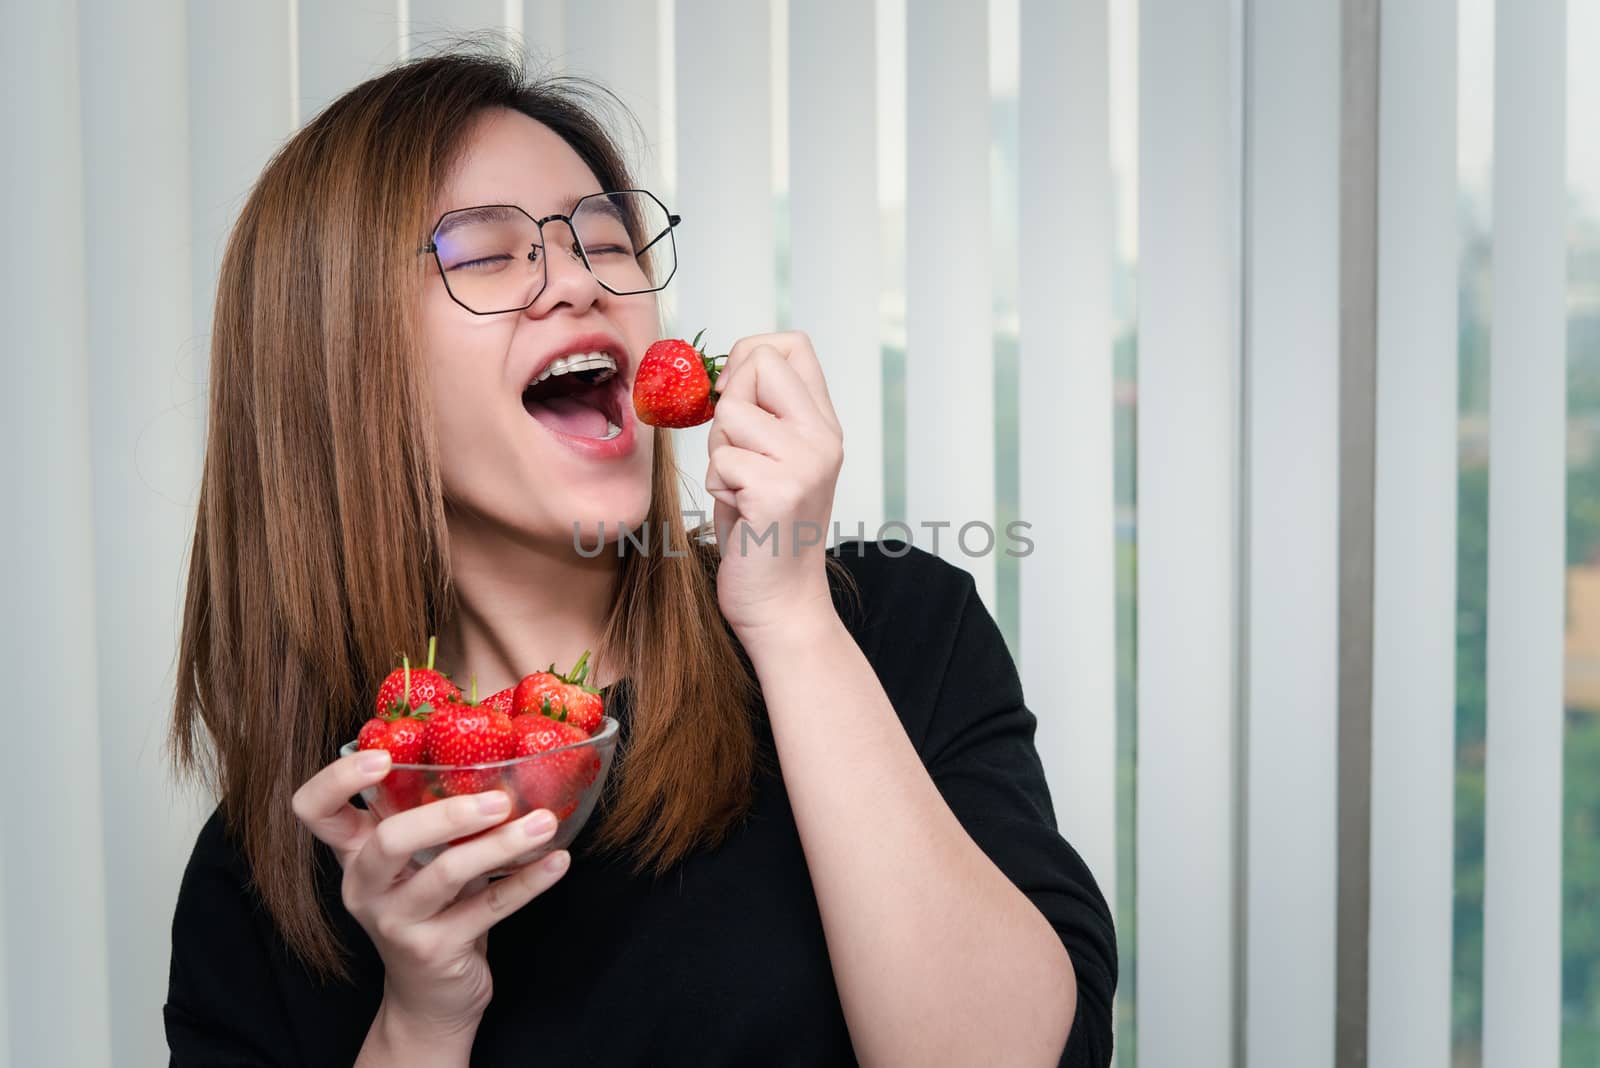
[482, 262]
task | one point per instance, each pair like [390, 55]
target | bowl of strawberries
[546, 742]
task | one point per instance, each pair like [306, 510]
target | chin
[595, 536]
[606, 521]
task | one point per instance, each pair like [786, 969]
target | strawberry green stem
[713, 368]
[433, 644]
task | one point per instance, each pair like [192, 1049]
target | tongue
[569, 415]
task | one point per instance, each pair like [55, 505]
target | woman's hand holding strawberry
[775, 451]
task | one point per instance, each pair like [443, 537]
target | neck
[520, 607]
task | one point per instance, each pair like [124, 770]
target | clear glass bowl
[567, 781]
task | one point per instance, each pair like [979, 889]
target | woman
[827, 837]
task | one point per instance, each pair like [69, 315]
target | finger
[782, 340]
[323, 801]
[748, 426]
[766, 379]
[389, 849]
[735, 470]
[442, 879]
[741, 352]
[797, 350]
[736, 478]
[471, 917]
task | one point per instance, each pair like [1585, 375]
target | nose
[568, 280]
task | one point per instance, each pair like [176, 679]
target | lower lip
[594, 448]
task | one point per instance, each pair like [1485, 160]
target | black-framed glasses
[492, 257]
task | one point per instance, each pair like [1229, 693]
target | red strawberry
[461, 733]
[403, 737]
[502, 701]
[555, 781]
[672, 387]
[374, 733]
[563, 697]
[536, 693]
[407, 687]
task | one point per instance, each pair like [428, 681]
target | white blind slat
[949, 377]
[836, 275]
[55, 936]
[1414, 588]
[1527, 525]
[1188, 490]
[1068, 582]
[727, 261]
[430, 23]
[618, 44]
[544, 29]
[241, 107]
[1292, 423]
[342, 45]
[143, 369]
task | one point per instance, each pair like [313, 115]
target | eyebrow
[467, 216]
[609, 206]
[491, 212]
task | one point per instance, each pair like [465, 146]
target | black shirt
[722, 960]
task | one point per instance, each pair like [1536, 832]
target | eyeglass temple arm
[672, 220]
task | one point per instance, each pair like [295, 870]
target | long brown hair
[321, 547]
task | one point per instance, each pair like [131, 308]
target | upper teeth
[581, 361]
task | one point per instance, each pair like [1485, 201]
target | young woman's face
[536, 462]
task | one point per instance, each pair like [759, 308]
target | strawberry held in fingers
[406, 687]
[562, 697]
[673, 386]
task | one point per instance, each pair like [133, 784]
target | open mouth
[579, 396]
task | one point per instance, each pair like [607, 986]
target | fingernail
[493, 802]
[373, 761]
[540, 823]
[557, 863]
